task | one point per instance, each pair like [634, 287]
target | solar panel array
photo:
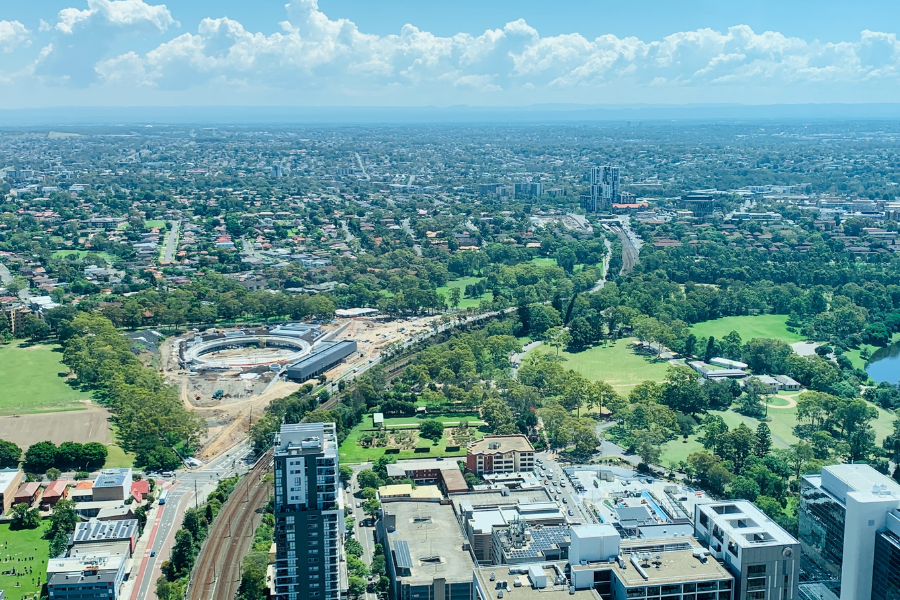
[546, 538]
[401, 555]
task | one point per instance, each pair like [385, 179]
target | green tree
[353, 547]
[40, 456]
[367, 478]
[744, 488]
[682, 391]
[431, 429]
[253, 577]
[10, 455]
[496, 413]
[371, 507]
[24, 517]
[454, 297]
[183, 553]
[763, 440]
[356, 586]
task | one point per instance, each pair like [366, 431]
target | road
[362, 166]
[409, 230]
[602, 281]
[6, 277]
[364, 535]
[561, 490]
[168, 517]
[168, 253]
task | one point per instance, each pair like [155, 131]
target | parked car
[359, 505]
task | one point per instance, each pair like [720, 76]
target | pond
[885, 364]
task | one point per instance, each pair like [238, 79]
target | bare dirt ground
[82, 426]
[229, 419]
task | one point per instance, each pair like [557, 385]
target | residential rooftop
[498, 444]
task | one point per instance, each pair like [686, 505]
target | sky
[399, 53]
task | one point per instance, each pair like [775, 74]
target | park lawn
[117, 458]
[544, 262]
[473, 419]
[81, 254]
[351, 451]
[619, 364]
[32, 382]
[23, 543]
[461, 283]
[154, 224]
[781, 424]
[759, 326]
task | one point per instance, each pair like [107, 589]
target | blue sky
[405, 52]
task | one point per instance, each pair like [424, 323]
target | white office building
[763, 558]
[842, 511]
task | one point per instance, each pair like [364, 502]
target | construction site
[230, 375]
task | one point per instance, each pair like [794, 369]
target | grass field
[781, 423]
[118, 458]
[461, 283]
[351, 451]
[81, 254]
[155, 223]
[619, 364]
[760, 326]
[23, 543]
[544, 262]
[31, 381]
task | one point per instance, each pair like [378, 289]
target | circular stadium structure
[245, 351]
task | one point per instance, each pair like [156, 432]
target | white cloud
[12, 34]
[119, 13]
[332, 59]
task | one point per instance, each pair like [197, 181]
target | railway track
[217, 572]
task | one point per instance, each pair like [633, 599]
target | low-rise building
[10, 479]
[445, 473]
[28, 493]
[95, 531]
[112, 484]
[405, 492]
[53, 493]
[98, 575]
[426, 554]
[500, 454]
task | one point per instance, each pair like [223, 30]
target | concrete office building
[112, 484]
[886, 572]
[309, 514]
[542, 581]
[97, 576]
[426, 555]
[764, 558]
[842, 511]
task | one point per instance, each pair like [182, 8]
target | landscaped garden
[401, 438]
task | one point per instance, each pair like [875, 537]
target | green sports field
[461, 283]
[81, 254]
[23, 544]
[759, 326]
[619, 364]
[32, 382]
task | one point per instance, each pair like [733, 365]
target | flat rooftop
[676, 566]
[744, 523]
[505, 443]
[494, 498]
[305, 438]
[526, 592]
[433, 540]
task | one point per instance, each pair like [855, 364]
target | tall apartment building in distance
[849, 530]
[604, 189]
[309, 514]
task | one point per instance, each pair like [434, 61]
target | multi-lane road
[188, 488]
